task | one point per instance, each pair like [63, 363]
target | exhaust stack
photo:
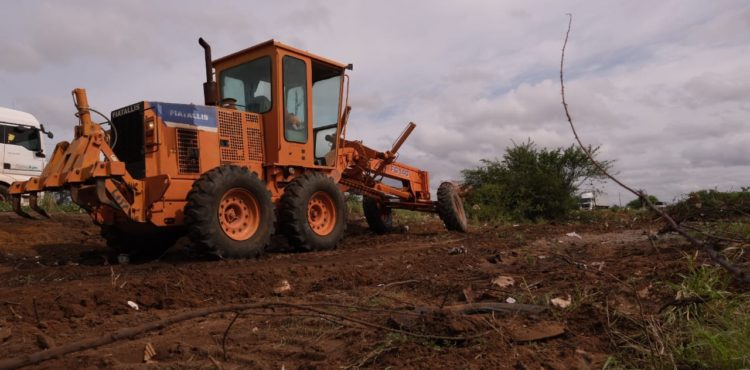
[210, 88]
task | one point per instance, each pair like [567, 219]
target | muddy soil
[59, 284]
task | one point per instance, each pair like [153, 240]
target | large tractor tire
[141, 243]
[229, 213]
[450, 207]
[313, 214]
[380, 219]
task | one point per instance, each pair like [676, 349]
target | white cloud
[661, 87]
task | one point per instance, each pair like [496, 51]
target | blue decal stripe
[186, 114]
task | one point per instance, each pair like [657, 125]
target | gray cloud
[661, 87]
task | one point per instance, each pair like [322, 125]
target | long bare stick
[127, 333]
[712, 253]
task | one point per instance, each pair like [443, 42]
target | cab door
[23, 153]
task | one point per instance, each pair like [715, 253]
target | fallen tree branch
[127, 333]
[712, 253]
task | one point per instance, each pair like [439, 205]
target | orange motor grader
[266, 152]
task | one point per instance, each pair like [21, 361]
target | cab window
[295, 100]
[249, 84]
[326, 100]
[27, 137]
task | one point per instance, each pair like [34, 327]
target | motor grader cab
[266, 152]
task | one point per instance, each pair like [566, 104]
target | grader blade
[16, 201]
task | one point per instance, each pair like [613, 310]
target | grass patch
[707, 325]
[48, 202]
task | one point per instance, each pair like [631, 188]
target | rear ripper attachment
[267, 151]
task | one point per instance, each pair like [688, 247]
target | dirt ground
[60, 284]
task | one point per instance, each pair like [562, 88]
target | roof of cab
[18, 117]
[280, 45]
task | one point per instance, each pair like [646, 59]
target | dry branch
[127, 333]
[712, 253]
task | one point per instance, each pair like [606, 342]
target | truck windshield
[250, 84]
[27, 137]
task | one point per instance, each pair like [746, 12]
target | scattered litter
[282, 287]
[457, 250]
[510, 300]
[149, 353]
[599, 265]
[542, 257]
[574, 235]
[255, 329]
[561, 302]
[133, 305]
[503, 281]
[516, 225]
[405, 229]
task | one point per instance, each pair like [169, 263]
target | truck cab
[21, 148]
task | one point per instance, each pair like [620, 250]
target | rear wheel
[450, 207]
[230, 213]
[379, 218]
[313, 216]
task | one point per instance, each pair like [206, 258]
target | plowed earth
[60, 284]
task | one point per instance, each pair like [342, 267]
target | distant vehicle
[21, 148]
[587, 200]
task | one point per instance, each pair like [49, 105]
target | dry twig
[712, 253]
[127, 333]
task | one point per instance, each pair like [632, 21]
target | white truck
[21, 148]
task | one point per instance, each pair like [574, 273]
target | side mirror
[43, 130]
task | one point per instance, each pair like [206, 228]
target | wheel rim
[239, 214]
[321, 213]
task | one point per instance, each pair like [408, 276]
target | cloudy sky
[663, 87]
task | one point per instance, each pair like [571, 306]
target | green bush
[529, 183]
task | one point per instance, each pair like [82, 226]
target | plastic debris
[457, 250]
[149, 353]
[282, 287]
[503, 281]
[561, 302]
[574, 235]
[510, 300]
[133, 305]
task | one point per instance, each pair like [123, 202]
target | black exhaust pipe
[210, 88]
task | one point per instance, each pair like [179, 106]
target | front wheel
[313, 215]
[230, 213]
[450, 207]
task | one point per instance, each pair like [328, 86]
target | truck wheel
[142, 245]
[380, 219]
[450, 207]
[313, 215]
[4, 194]
[229, 213]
